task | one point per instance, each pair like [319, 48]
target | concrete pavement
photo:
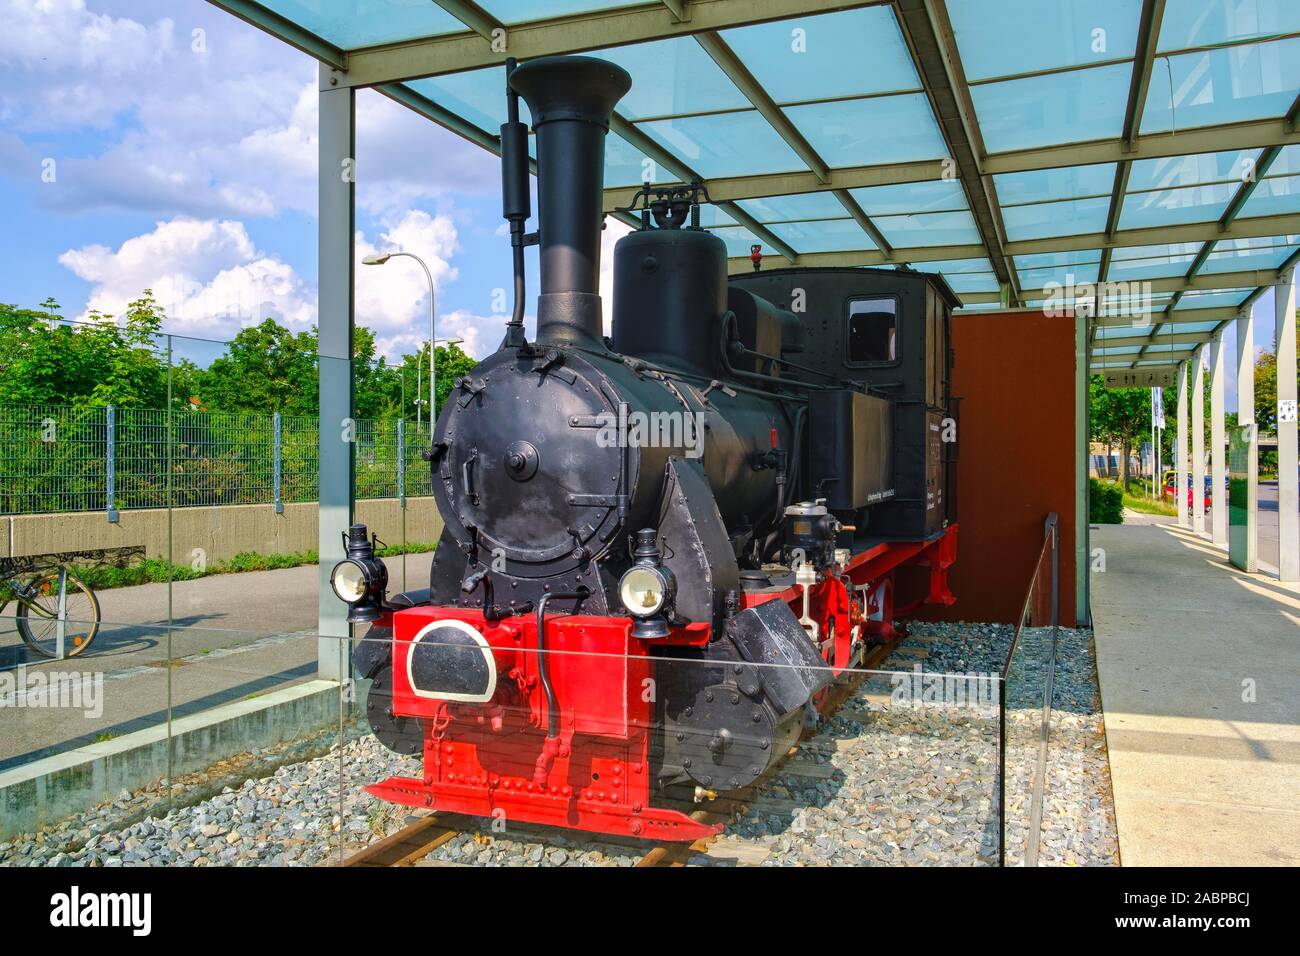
[1200, 687]
[233, 636]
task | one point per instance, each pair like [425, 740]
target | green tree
[1118, 416]
[265, 368]
[46, 360]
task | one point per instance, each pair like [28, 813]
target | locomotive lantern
[616, 622]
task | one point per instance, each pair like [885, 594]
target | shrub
[1105, 502]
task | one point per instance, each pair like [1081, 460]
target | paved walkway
[1199, 666]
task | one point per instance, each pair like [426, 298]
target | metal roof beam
[864, 221]
[575, 33]
[285, 29]
[758, 97]
[401, 93]
[1256, 135]
[1153, 13]
[1199, 283]
[1173, 338]
[651, 149]
[1205, 139]
[792, 183]
[1260, 227]
[929, 37]
[473, 16]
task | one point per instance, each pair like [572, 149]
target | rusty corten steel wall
[1014, 374]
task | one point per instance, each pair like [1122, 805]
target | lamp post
[379, 259]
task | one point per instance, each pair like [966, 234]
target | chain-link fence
[70, 458]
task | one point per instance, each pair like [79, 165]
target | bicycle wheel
[38, 615]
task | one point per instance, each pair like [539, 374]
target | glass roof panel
[1189, 23]
[511, 12]
[476, 95]
[1273, 197]
[831, 235]
[1045, 260]
[737, 238]
[929, 229]
[1237, 255]
[671, 77]
[936, 195]
[850, 132]
[1167, 207]
[1193, 327]
[1123, 331]
[965, 282]
[1072, 217]
[981, 306]
[1069, 276]
[350, 24]
[956, 266]
[1210, 299]
[726, 144]
[1287, 162]
[807, 58]
[821, 205]
[1000, 37]
[627, 166]
[1048, 110]
[1155, 251]
[1223, 86]
[1155, 267]
[1168, 171]
[1066, 182]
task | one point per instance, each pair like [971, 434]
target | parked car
[1171, 478]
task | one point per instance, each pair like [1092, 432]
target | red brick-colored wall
[1014, 374]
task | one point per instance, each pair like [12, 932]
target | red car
[1169, 491]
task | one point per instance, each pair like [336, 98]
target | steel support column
[1218, 474]
[1198, 440]
[1288, 462]
[1082, 537]
[336, 228]
[1245, 553]
[1180, 447]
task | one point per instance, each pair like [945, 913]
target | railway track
[418, 839]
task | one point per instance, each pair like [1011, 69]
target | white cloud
[393, 299]
[211, 279]
[614, 231]
[199, 114]
[206, 274]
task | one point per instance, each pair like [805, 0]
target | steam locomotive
[661, 546]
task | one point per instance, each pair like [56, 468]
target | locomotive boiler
[661, 545]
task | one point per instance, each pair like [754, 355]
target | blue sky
[180, 148]
[170, 145]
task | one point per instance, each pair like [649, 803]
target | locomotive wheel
[401, 735]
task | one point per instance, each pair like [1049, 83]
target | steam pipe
[516, 206]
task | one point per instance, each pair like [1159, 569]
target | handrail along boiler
[658, 546]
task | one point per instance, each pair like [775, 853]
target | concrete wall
[45, 791]
[221, 532]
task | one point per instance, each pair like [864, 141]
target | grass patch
[155, 570]
[1149, 506]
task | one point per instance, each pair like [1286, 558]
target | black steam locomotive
[713, 498]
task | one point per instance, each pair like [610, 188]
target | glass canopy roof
[1025, 150]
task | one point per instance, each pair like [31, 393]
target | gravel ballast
[887, 781]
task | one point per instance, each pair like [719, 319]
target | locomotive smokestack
[571, 99]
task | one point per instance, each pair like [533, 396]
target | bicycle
[58, 614]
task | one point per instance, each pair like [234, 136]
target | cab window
[873, 331]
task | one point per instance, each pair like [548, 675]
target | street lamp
[378, 259]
